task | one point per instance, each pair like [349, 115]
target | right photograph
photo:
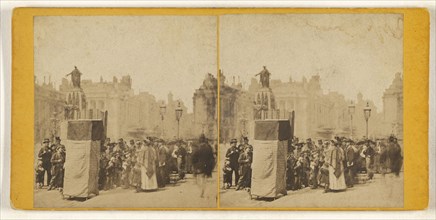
[311, 111]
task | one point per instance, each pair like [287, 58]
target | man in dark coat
[203, 162]
[250, 154]
[290, 172]
[351, 163]
[64, 155]
[395, 157]
[45, 155]
[57, 160]
[233, 155]
[244, 161]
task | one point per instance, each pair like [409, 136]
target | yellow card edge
[415, 93]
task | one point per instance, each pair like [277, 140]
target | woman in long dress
[335, 158]
[147, 159]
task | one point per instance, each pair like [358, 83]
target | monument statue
[75, 77]
[264, 77]
[75, 107]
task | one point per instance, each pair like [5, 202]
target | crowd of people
[331, 164]
[143, 165]
[334, 164]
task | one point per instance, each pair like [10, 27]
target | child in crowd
[227, 174]
[39, 171]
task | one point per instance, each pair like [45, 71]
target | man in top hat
[45, 154]
[233, 155]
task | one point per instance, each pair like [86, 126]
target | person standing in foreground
[64, 155]
[395, 157]
[350, 155]
[136, 171]
[244, 169]
[203, 162]
[45, 156]
[335, 159]
[147, 158]
[233, 155]
[162, 166]
[57, 161]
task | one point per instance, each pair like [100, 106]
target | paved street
[184, 194]
[380, 192]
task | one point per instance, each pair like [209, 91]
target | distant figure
[75, 77]
[264, 77]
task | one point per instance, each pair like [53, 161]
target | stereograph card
[220, 109]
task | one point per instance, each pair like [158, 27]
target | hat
[233, 141]
[46, 140]
[57, 138]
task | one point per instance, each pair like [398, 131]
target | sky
[160, 53]
[352, 53]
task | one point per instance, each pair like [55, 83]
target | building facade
[393, 107]
[318, 114]
[205, 117]
[49, 109]
[130, 115]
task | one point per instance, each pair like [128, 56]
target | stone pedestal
[77, 100]
[265, 102]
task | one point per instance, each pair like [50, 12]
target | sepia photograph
[311, 111]
[125, 112]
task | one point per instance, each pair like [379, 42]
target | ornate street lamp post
[162, 110]
[351, 109]
[179, 112]
[367, 114]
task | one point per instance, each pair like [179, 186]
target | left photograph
[125, 111]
